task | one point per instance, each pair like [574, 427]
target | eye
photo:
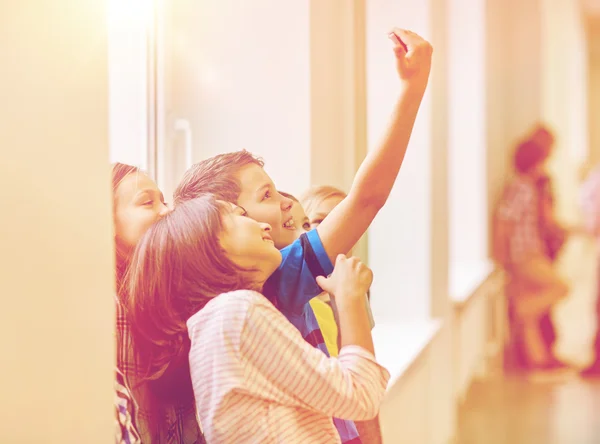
[306, 226]
[148, 203]
[267, 195]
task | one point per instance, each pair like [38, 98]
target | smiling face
[261, 201]
[300, 219]
[322, 210]
[248, 243]
[138, 204]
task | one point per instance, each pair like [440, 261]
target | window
[467, 146]
[236, 75]
[128, 57]
[399, 239]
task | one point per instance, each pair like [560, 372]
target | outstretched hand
[413, 57]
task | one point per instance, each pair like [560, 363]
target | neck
[258, 282]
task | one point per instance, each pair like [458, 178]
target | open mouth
[289, 224]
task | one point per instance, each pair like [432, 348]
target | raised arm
[373, 182]
[349, 387]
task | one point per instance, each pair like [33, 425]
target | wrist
[412, 89]
[351, 302]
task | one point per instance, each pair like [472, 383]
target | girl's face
[301, 221]
[248, 243]
[323, 209]
[138, 204]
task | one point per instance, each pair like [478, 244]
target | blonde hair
[311, 200]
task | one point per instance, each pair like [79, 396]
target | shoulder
[225, 318]
[307, 249]
[230, 306]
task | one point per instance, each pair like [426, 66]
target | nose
[163, 210]
[265, 227]
[286, 204]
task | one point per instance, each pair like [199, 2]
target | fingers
[399, 46]
[324, 283]
[349, 262]
[399, 50]
[409, 39]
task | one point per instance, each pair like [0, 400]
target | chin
[274, 260]
[286, 238]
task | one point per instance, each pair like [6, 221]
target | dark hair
[216, 176]
[119, 172]
[542, 135]
[528, 155]
[177, 267]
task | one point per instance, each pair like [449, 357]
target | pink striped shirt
[257, 381]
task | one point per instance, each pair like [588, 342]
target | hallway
[511, 410]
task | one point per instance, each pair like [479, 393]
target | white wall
[56, 259]
[564, 95]
[399, 238]
[513, 84]
[240, 73]
[415, 408]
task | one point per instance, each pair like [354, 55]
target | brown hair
[316, 195]
[177, 267]
[216, 176]
[119, 172]
[289, 196]
[528, 155]
[542, 135]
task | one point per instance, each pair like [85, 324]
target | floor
[512, 410]
[518, 412]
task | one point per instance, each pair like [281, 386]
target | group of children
[225, 331]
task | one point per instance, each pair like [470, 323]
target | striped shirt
[257, 381]
[520, 209]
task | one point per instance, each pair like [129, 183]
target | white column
[56, 259]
